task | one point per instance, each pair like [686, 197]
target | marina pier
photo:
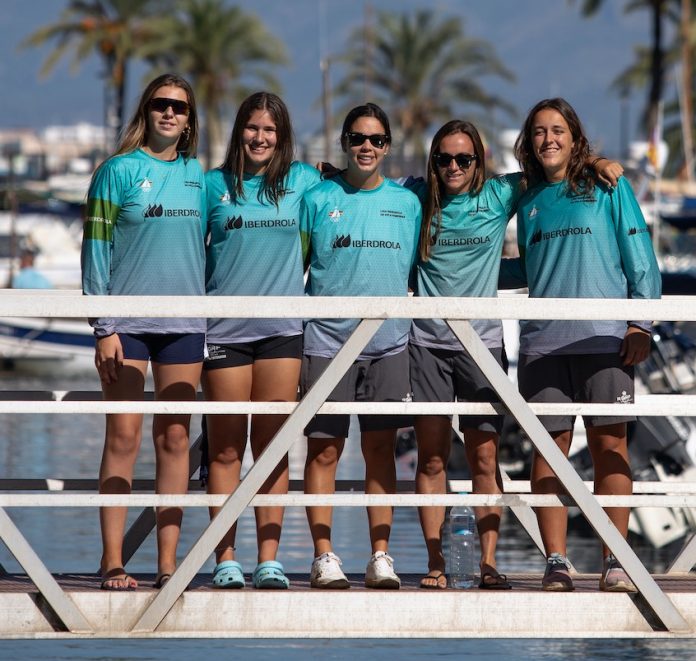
[37, 603]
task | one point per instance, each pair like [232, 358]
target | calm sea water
[70, 447]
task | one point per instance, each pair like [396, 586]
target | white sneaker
[326, 573]
[380, 572]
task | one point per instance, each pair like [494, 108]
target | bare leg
[320, 477]
[553, 521]
[434, 437]
[121, 446]
[227, 436]
[612, 470]
[380, 477]
[274, 380]
[482, 454]
[171, 437]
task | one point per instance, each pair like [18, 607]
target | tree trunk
[656, 67]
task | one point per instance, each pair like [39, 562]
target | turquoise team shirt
[594, 245]
[254, 249]
[465, 257]
[144, 235]
[359, 243]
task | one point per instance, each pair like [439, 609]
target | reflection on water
[39, 446]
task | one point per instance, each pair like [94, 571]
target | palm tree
[114, 29]
[222, 50]
[660, 11]
[679, 120]
[420, 67]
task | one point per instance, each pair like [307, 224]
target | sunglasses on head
[376, 139]
[161, 103]
[464, 161]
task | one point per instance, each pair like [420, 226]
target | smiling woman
[360, 238]
[144, 235]
[580, 239]
[253, 203]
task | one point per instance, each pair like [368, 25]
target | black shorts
[163, 348]
[219, 356]
[590, 378]
[443, 375]
[376, 380]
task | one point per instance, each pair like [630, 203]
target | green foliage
[422, 69]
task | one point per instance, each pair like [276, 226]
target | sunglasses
[376, 139]
[161, 103]
[464, 161]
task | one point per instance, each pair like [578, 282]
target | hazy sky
[549, 47]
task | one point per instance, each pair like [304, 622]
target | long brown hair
[579, 178]
[432, 207]
[135, 135]
[273, 186]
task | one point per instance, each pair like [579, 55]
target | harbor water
[67, 446]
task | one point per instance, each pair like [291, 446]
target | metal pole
[293, 427]
[661, 605]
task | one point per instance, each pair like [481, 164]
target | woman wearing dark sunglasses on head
[254, 250]
[464, 221]
[580, 239]
[360, 236]
[144, 235]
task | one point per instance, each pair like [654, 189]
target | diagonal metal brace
[240, 498]
[656, 599]
[63, 606]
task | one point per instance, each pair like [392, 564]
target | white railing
[372, 311]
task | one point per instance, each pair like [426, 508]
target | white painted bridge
[39, 604]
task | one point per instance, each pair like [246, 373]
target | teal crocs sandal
[269, 575]
[228, 575]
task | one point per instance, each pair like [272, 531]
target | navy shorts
[164, 348]
[245, 353]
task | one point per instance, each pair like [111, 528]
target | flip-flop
[269, 575]
[161, 581]
[228, 575]
[496, 581]
[440, 581]
[118, 574]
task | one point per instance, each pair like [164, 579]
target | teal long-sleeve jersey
[592, 245]
[358, 243]
[465, 257]
[254, 249]
[144, 235]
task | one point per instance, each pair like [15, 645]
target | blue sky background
[549, 47]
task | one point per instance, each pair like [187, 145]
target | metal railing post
[292, 428]
[62, 605]
[657, 600]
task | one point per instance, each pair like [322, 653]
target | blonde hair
[135, 135]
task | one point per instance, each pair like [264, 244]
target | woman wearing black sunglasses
[254, 250]
[144, 235]
[464, 221]
[360, 236]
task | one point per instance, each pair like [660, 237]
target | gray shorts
[441, 375]
[375, 380]
[591, 378]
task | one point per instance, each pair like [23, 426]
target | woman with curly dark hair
[580, 239]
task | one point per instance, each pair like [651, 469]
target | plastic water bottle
[462, 547]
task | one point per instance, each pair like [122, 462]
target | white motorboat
[46, 345]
